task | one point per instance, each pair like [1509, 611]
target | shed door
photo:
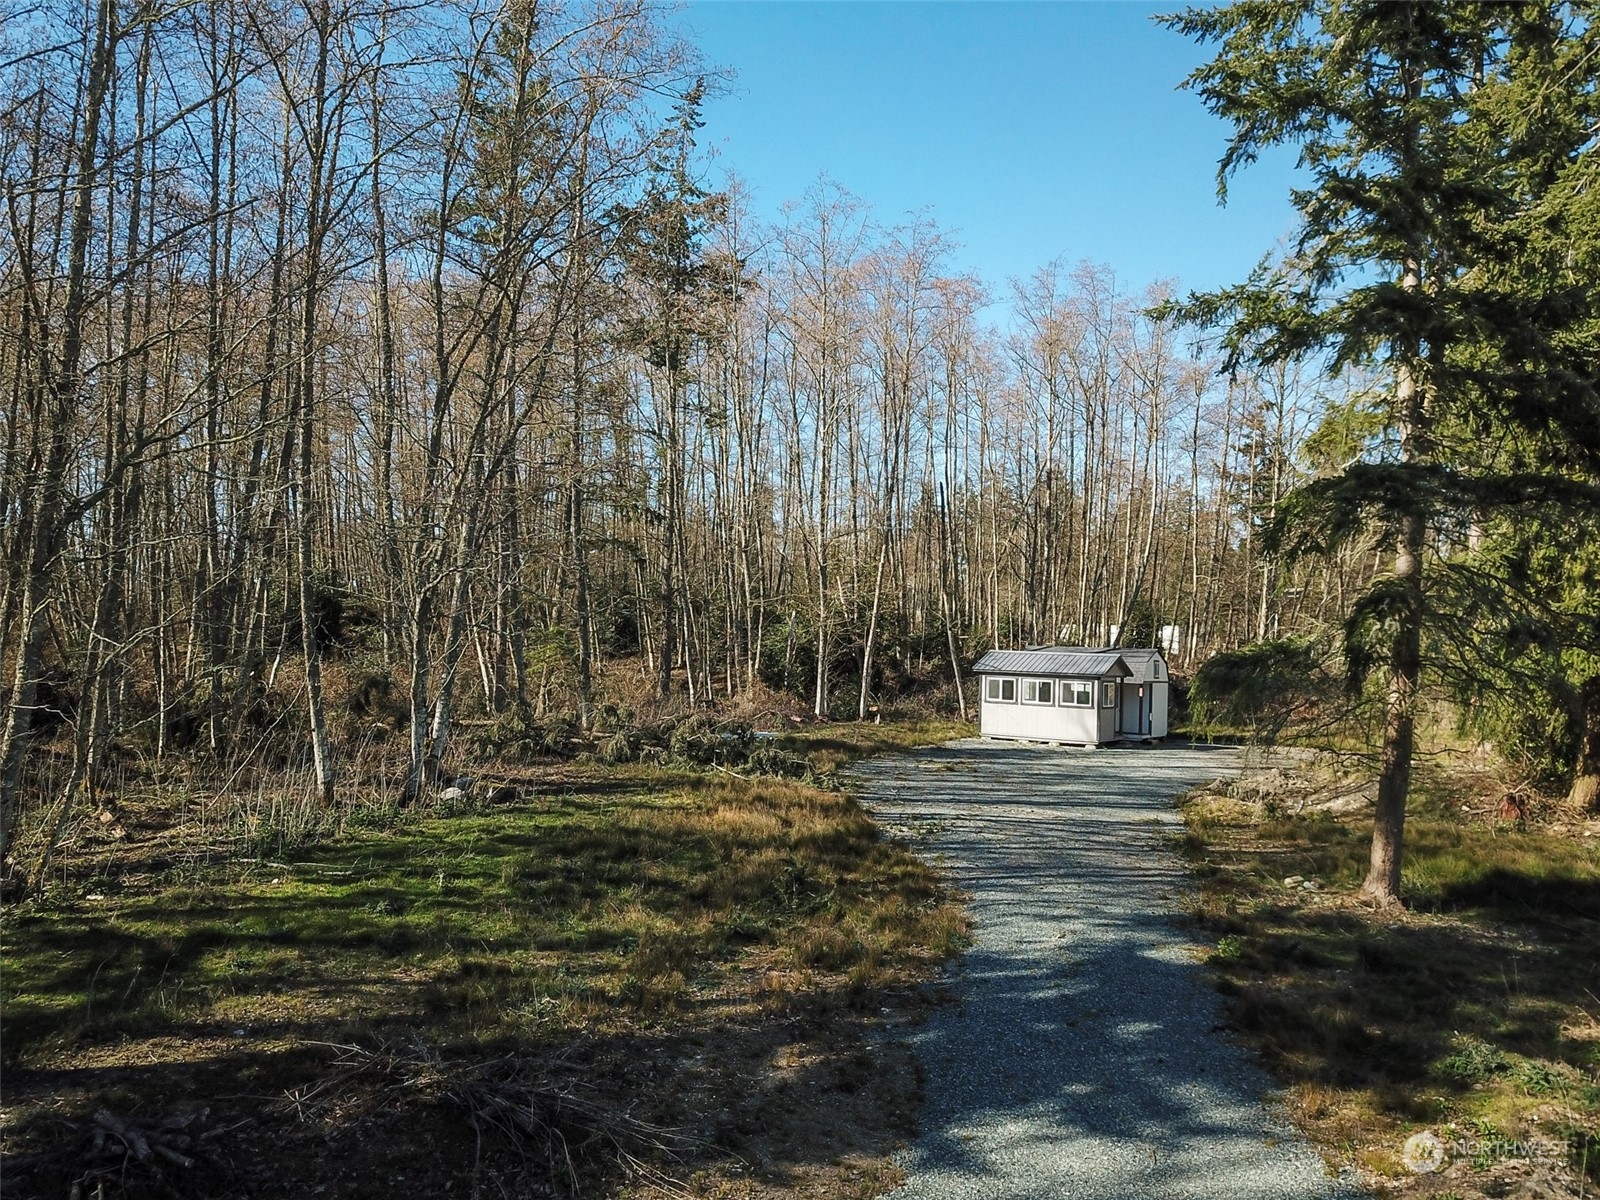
[1134, 712]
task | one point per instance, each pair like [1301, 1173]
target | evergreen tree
[674, 281]
[1420, 169]
[1526, 666]
[1533, 666]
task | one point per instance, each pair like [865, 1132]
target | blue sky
[1032, 130]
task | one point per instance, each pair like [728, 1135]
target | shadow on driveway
[1084, 1056]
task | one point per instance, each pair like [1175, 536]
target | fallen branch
[131, 1137]
[540, 1109]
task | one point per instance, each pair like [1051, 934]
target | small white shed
[1072, 694]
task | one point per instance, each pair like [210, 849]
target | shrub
[518, 735]
[1474, 1062]
[699, 740]
[623, 746]
[371, 705]
[1262, 687]
[769, 760]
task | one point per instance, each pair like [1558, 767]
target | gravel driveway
[1084, 1057]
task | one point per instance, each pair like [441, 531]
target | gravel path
[1084, 1057]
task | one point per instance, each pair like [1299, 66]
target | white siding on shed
[1057, 721]
[1073, 694]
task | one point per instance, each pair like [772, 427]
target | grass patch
[1473, 1014]
[581, 909]
[830, 747]
[641, 915]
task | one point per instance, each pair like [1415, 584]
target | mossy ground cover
[669, 940]
[1473, 1015]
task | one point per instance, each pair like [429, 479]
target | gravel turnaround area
[1083, 1055]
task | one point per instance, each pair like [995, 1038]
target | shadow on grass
[1518, 896]
[1477, 1008]
[661, 951]
[785, 1091]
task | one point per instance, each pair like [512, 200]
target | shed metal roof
[1148, 666]
[1089, 664]
[1128, 651]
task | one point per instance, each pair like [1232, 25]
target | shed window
[1078, 693]
[1038, 691]
[1108, 694]
[1002, 691]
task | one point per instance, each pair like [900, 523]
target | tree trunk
[872, 632]
[577, 543]
[1382, 885]
[305, 486]
[455, 642]
[49, 500]
[1585, 791]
